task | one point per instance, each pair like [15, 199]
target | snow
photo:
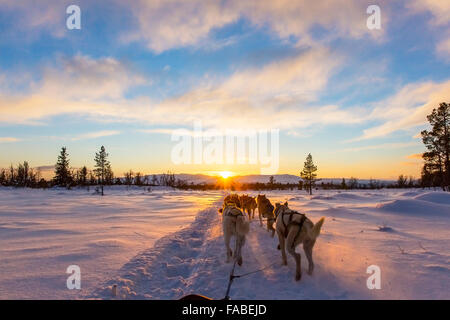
[166, 243]
[42, 232]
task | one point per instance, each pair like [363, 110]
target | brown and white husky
[234, 224]
[265, 210]
[294, 228]
[248, 204]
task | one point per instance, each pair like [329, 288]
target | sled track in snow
[162, 271]
[192, 260]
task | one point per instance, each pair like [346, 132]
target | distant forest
[435, 171]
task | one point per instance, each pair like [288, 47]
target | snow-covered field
[165, 244]
[42, 232]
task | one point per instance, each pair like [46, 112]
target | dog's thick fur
[233, 198]
[307, 235]
[265, 209]
[234, 224]
[248, 204]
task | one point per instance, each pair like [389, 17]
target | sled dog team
[292, 227]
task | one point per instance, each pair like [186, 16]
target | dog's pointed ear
[220, 210]
[286, 204]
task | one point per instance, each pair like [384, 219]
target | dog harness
[290, 223]
[229, 214]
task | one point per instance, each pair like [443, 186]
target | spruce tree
[437, 142]
[353, 184]
[3, 180]
[82, 176]
[129, 178]
[308, 174]
[102, 166]
[402, 181]
[62, 171]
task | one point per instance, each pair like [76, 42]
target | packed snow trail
[193, 261]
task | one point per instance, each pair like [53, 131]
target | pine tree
[154, 180]
[138, 179]
[437, 142]
[82, 176]
[12, 175]
[129, 178]
[62, 171]
[109, 175]
[308, 174]
[402, 181]
[3, 180]
[343, 184]
[271, 181]
[102, 166]
[353, 184]
[91, 178]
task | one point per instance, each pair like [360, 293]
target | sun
[225, 174]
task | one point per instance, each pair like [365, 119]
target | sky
[355, 98]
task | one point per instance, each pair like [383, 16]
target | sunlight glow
[225, 174]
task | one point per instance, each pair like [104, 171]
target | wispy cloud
[159, 22]
[281, 94]
[414, 156]
[440, 12]
[94, 135]
[157, 131]
[77, 85]
[8, 139]
[440, 9]
[406, 109]
[382, 146]
[443, 48]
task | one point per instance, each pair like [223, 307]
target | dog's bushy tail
[317, 227]
[242, 226]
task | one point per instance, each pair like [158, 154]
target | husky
[265, 209]
[294, 228]
[233, 198]
[234, 224]
[248, 204]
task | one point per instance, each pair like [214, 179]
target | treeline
[22, 176]
[64, 176]
[352, 184]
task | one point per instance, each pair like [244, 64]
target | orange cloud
[414, 156]
[8, 139]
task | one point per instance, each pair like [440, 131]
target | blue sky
[355, 98]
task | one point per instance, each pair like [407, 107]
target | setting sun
[225, 174]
